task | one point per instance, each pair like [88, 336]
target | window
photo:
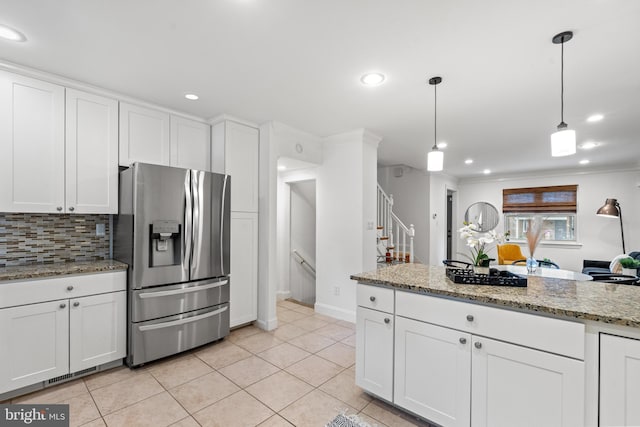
[556, 205]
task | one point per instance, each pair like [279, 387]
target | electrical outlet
[336, 290]
[369, 225]
[100, 230]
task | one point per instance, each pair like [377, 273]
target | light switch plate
[100, 230]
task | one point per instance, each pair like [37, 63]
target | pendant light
[435, 158]
[563, 142]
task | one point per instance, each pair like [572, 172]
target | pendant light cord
[562, 82]
[435, 116]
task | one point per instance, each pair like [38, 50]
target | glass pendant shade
[563, 142]
[435, 160]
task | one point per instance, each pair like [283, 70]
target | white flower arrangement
[479, 243]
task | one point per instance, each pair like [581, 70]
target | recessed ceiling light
[9, 33]
[282, 168]
[191, 96]
[442, 144]
[468, 161]
[588, 145]
[486, 171]
[372, 79]
[584, 162]
[595, 118]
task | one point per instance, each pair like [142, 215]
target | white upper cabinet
[190, 144]
[240, 144]
[31, 145]
[144, 135]
[91, 153]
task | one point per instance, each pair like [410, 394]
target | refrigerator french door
[173, 231]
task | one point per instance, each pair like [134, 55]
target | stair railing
[399, 235]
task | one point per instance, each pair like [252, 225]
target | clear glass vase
[532, 265]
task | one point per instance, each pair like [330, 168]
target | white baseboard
[268, 325]
[335, 312]
[282, 295]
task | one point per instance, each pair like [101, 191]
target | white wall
[346, 192]
[598, 237]
[411, 202]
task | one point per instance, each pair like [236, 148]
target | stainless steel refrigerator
[173, 231]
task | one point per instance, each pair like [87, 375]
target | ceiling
[300, 61]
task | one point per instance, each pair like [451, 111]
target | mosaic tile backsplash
[49, 238]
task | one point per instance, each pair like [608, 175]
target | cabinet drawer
[553, 335]
[375, 298]
[51, 289]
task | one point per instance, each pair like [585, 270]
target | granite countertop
[602, 302]
[37, 271]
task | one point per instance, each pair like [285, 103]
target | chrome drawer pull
[372, 299]
[182, 321]
[70, 288]
[463, 340]
[63, 305]
[181, 291]
[387, 320]
[75, 304]
[478, 344]
[469, 318]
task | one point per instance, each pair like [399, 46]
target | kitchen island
[557, 352]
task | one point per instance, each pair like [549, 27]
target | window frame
[544, 216]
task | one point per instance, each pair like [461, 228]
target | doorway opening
[302, 235]
[451, 219]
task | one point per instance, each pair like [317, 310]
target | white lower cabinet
[243, 300]
[83, 327]
[35, 345]
[619, 381]
[97, 330]
[514, 385]
[374, 352]
[433, 371]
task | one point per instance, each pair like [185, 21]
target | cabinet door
[190, 144]
[35, 345]
[241, 162]
[374, 352]
[97, 330]
[91, 153]
[512, 384]
[619, 381]
[243, 305]
[31, 145]
[144, 135]
[433, 371]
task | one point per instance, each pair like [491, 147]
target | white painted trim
[548, 174]
[559, 244]
[96, 90]
[226, 117]
[335, 312]
[269, 325]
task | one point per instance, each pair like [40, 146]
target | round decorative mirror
[483, 214]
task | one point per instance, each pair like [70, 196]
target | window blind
[559, 198]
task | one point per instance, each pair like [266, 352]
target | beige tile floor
[301, 374]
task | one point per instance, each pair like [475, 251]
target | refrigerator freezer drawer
[170, 335]
[152, 303]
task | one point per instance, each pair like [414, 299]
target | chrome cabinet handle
[463, 340]
[70, 287]
[59, 208]
[478, 344]
[469, 318]
[372, 299]
[63, 305]
[71, 208]
[387, 320]
[75, 304]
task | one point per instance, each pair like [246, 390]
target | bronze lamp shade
[612, 209]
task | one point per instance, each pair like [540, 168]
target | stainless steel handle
[71, 208]
[59, 208]
[75, 304]
[186, 232]
[478, 344]
[469, 318]
[63, 305]
[182, 290]
[196, 194]
[372, 298]
[182, 321]
[387, 320]
[463, 340]
[70, 287]
[222, 205]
